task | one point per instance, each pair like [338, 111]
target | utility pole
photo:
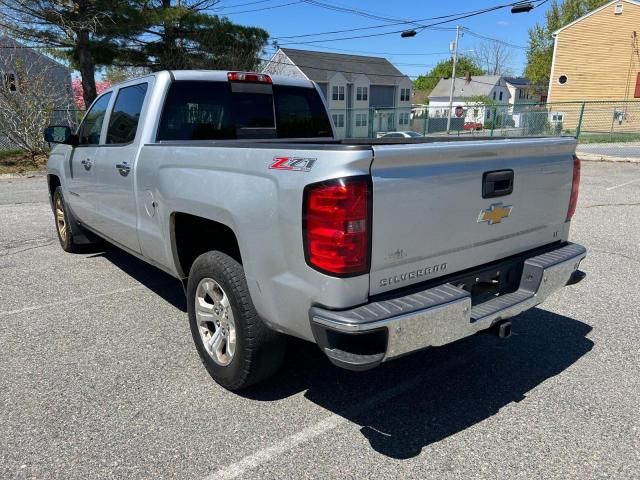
[453, 77]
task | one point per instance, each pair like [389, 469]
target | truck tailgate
[429, 215]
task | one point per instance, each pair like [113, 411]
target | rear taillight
[337, 225]
[248, 77]
[575, 188]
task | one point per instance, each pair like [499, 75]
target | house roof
[479, 85]
[633, 2]
[518, 81]
[321, 66]
[11, 45]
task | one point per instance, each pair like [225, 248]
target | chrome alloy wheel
[60, 222]
[215, 321]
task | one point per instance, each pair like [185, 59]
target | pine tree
[183, 35]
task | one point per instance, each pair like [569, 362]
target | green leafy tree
[444, 69]
[540, 50]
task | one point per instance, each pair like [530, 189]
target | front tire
[236, 347]
[63, 219]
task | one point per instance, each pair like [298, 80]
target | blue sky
[412, 56]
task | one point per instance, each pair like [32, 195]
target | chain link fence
[610, 128]
[603, 128]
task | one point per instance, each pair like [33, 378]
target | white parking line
[74, 300]
[623, 184]
[266, 454]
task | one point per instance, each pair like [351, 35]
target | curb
[30, 174]
[591, 157]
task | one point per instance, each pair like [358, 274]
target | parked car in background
[408, 134]
[473, 126]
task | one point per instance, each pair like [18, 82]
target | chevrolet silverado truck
[236, 184]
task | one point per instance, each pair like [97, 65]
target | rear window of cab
[208, 110]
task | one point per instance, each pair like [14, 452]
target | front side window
[89, 132]
[125, 115]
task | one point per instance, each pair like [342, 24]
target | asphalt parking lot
[99, 378]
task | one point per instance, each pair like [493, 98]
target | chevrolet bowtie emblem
[494, 214]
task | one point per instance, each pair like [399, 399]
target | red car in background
[473, 126]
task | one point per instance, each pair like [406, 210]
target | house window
[338, 119]
[9, 82]
[557, 117]
[475, 113]
[404, 118]
[361, 119]
[501, 95]
[405, 94]
[337, 93]
[617, 10]
[362, 93]
[562, 79]
[494, 95]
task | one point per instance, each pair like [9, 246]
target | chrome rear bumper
[436, 316]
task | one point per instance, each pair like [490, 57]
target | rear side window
[205, 110]
[123, 123]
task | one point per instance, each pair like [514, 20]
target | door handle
[123, 168]
[86, 163]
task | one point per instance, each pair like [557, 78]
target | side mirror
[59, 134]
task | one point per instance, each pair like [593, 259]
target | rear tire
[235, 346]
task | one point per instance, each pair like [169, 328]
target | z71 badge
[293, 164]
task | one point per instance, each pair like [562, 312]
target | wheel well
[192, 236]
[54, 182]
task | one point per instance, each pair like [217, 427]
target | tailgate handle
[497, 183]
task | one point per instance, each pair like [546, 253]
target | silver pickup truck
[235, 183]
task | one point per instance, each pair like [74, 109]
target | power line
[365, 60]
[420, 29]
[241, 4]
[264, 8]
[353, 11]
[485, 37]
[364, 73]
[393, 54]
[403, 22]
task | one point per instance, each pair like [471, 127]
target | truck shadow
[409, 403]
[448, 389]
[159, 282]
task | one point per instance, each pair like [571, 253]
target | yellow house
[597, 57]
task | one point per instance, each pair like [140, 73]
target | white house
[364, 94]
[509, 92]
